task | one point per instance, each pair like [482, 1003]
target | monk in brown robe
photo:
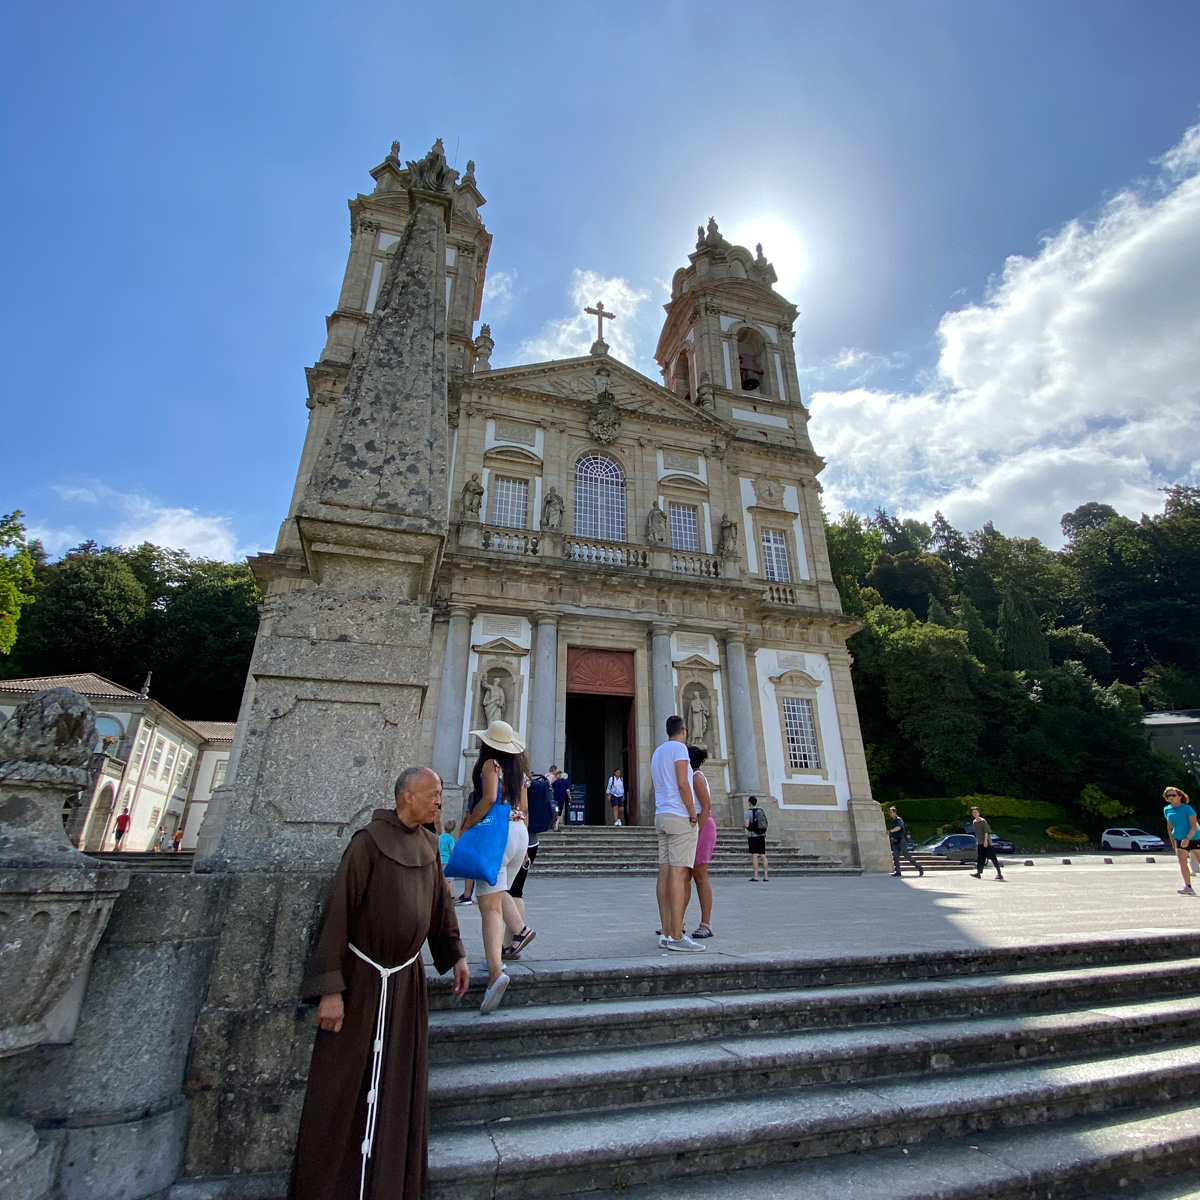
[387, 898]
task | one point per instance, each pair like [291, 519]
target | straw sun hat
[500, 736]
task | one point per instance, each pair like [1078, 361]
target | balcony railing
[780, 593]
[701, 565]
[510, 541]
[604, 554]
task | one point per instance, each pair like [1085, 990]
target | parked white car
[1130, 839]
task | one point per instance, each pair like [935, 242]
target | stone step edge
[862, 1005]
[694, 977]
[545, 1156]
[942, 1045]
[1092, 1157]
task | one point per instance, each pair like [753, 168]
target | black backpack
[541, 806]
[758, 822]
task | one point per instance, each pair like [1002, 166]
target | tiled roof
[88, 684]
[214, 731]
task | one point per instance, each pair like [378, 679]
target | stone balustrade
[780, 593]
[605, 554]
[702, 565]
[510, 541]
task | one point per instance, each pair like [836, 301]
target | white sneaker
[616, 822]
[493, 996]
[664, 942]
[685, 945]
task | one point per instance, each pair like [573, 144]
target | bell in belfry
[751, 372]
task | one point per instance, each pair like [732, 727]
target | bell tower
[727, 342]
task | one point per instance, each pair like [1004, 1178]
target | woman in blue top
[1185, 834]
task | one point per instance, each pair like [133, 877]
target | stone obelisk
[332, 707]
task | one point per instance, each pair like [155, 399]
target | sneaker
[1186, 891]
[999, 878]
[895, 874]
[664, 942]
[493, 996]
[464, 900]
[684, 945]
[976, 875]
[617, 823]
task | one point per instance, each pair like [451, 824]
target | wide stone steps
[176, 861]
[787, 1078]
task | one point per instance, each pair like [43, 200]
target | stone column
[662, 680]
[544, 686]
[738, 705]
[447, 736]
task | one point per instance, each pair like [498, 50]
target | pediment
[684, 483]
[512, 454]
[694, 662]
[575, 379]
[500, 646]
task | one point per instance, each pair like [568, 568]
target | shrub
[1100, 804]
[958, 808]
[1066, 833]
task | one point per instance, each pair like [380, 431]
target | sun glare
[781, 243]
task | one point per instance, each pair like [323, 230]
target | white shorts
[514, 860]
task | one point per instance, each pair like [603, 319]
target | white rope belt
[385, 975]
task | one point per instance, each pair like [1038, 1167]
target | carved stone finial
[431, 174]
[699, 237]
[759, 258]
[484, 345]
[469, 174]
[56, 726]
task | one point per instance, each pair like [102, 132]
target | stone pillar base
[870, 836]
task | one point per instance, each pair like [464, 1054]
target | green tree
[16, 577]
[980, 639]
[1094, 800]
[1086, 517]
[910, 578]
[936, 613]
[1022, 642]
[1074, 644]
[852, 548]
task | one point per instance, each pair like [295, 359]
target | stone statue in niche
[656, 526]
[698, 715]
[494, 700]
[552, 511]
[729, 536]
[472, 498]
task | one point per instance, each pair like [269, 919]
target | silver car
[1130, 839]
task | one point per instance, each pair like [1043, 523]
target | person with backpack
[756, 829]
[541, 818]
[615, 791]
[898, 835]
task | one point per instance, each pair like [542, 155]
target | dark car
[961, 847]
[999, 844]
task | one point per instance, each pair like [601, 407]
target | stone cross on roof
[601, 316]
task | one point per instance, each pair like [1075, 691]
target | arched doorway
[600, 725]
[97, 822]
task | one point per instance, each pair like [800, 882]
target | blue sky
[998, 271]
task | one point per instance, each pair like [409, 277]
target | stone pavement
[609, 918]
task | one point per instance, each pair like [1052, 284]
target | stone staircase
[984, 1074]
[633, 850]
[169, 861]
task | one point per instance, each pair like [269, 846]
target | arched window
[753, 361]
[683, 376]
[599, 499]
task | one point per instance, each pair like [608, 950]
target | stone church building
[622, 548]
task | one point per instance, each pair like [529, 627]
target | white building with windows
[147, 760]
[620, 548]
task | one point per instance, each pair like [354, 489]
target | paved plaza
[615, 918]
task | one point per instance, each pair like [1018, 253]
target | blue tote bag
[479, 852]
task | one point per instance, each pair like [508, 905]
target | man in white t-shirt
[675, 819]
[615, 791]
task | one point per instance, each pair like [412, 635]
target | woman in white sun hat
[499, 779]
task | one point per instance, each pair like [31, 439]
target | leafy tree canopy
[16, 577]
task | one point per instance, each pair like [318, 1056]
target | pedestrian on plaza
[551, 776]
[676, 821]
[898, 833]
[984, 850]
[614, 790]
[364, 1127]
[446, 842]
[755, 826]
[512, 931]
[499, 779]
[123, 823]
[177, 840]
[1184, 833]
[160, 840]
[706, 842]
[560, 788]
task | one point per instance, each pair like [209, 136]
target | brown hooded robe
[388, 896]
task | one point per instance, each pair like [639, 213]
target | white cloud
[128, 519]
[1076, 378]
[498, 294]
[573, 335]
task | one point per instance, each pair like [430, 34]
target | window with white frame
[685, 528]
[156, 757]
[186, 762]
[800, 728]
[172, 750]
[510, 502]
[599, 499]
[775, 556]
[140, 753]
[219, 773]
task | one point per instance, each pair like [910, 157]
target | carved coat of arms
[604, 421]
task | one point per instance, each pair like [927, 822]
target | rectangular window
[185, 770]
[150, 824]
[172, 750]
[510, 502]
[219, 773]
[684, 527]
[140, 753]
[801, 730]
[775, 556]
[156, 757]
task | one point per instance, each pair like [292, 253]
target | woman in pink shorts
[706, 842]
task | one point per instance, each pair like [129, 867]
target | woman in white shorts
[498, 779]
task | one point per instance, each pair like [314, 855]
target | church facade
[622, 548]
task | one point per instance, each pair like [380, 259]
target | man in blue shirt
[1185, 834]
[561, 789]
